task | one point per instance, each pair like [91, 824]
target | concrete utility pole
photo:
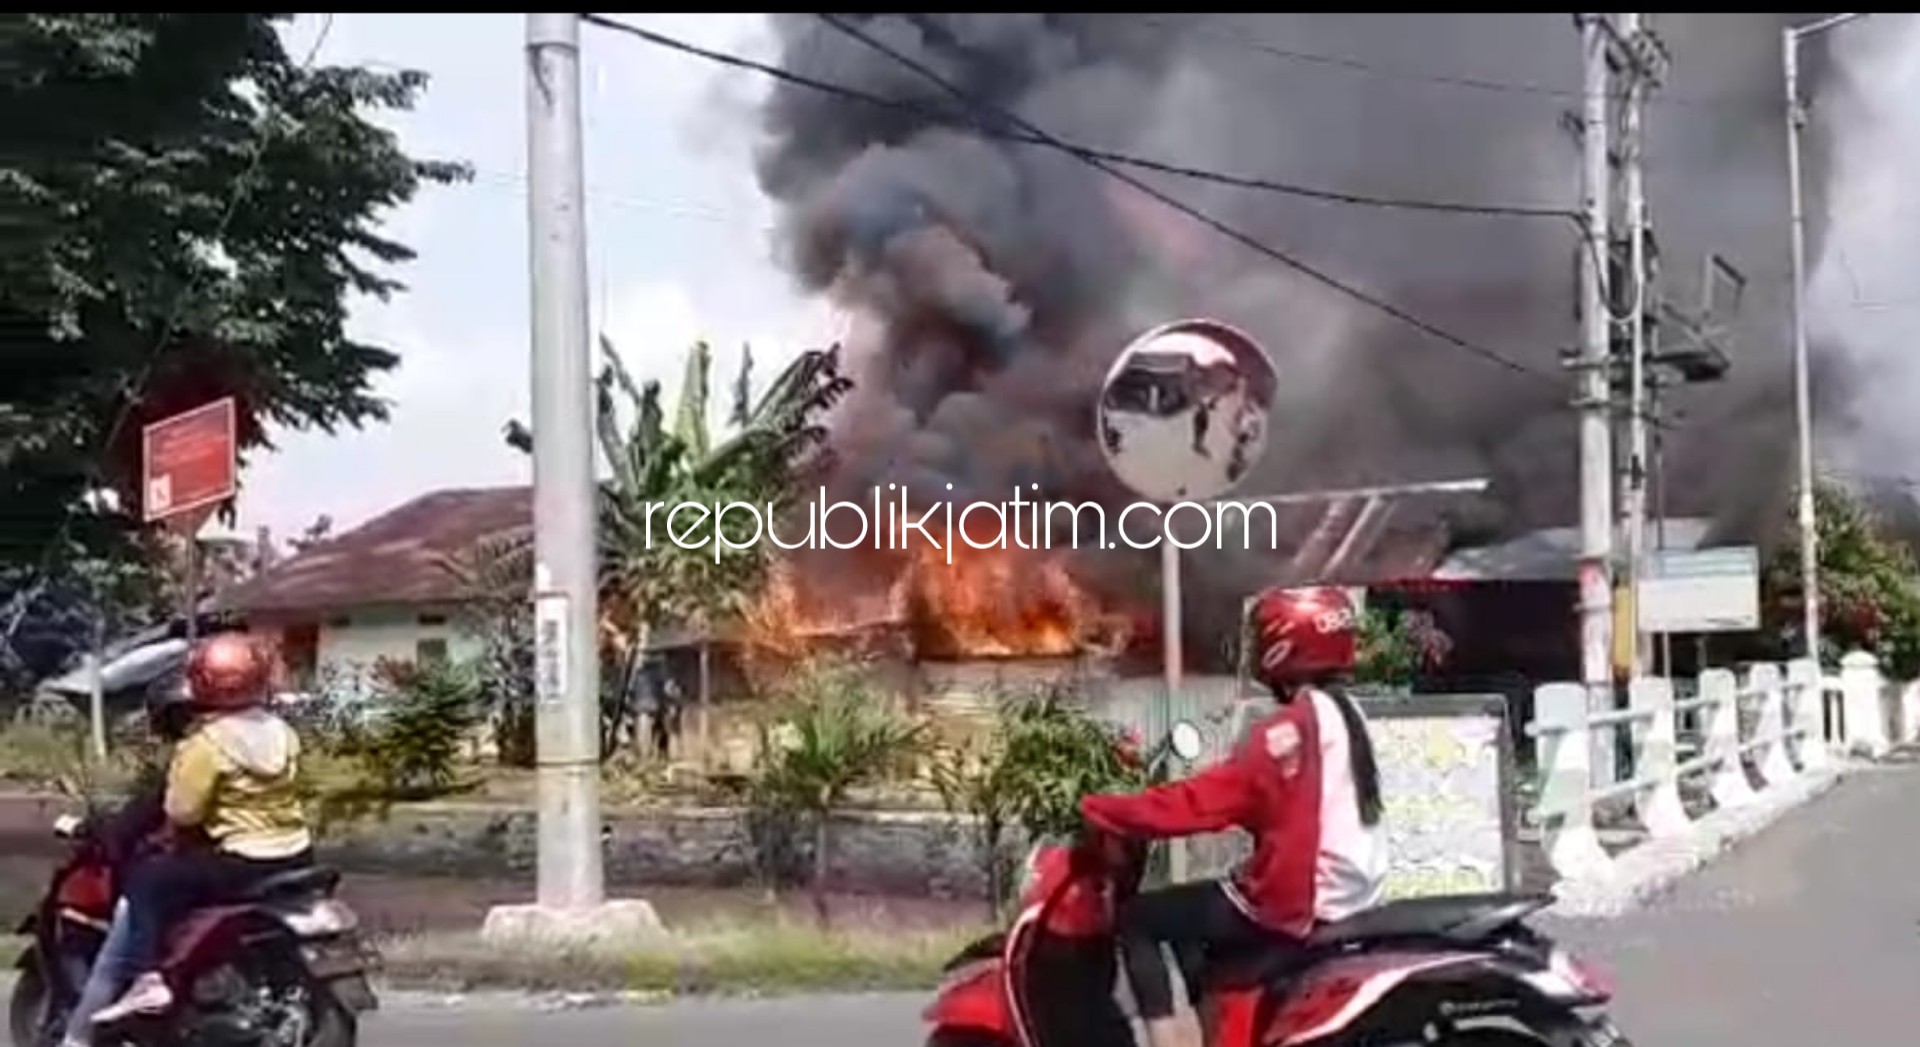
[1634, 189]
[1802, 381]
[1592, 366]
[1659, 342]
[570, 903]
[565, 594]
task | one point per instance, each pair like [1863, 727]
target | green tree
[835, 732]
[1386, 654]
[1869, 588]
[1057, 753]
[493, 577]
[975, 781]
[187, 211]
[648, 581]
[1029, 771]
[1396, 645]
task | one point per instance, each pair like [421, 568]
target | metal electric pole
[565, 594]
[1802, 379]
[1802, 394]
[1593, 399]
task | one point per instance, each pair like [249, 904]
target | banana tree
[646, 584]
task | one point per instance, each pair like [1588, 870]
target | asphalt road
[1809, 934]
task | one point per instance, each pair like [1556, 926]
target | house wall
[351, 642]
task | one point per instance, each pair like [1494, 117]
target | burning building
[990, 281]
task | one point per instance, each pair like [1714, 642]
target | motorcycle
[282, 966]
[1451, 971]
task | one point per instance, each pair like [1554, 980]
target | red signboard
[189, 462]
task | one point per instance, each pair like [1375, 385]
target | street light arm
[1821, 25]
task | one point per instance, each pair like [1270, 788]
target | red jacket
[1269, 786]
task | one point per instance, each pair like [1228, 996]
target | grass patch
[767, 958]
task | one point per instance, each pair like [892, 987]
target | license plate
[334, 959]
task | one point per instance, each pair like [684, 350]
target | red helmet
[228, 672]
[1301, 635]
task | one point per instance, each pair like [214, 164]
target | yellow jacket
[235, 777]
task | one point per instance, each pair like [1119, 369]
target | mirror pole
[1171, 670]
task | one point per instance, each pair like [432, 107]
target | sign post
[189, 465]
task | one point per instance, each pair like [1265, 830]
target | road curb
[1650, 870]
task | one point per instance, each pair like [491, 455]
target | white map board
[1446, 776]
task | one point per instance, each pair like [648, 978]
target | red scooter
[1454, 970]
[281, 967]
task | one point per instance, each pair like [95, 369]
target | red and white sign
[190, 461]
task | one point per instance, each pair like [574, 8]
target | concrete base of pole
[621, 921]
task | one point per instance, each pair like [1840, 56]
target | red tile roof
[395, 558]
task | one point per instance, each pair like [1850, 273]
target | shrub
[1030, 770]
[1396, 646]
[43, 753]
[424, 714]
[1056, 753]
[974, 779]
[835, 732]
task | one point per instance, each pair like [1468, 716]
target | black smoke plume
[991, 283]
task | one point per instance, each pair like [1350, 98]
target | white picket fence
[1736, 742]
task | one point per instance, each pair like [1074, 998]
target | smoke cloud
[993, 283]
[1863, 300]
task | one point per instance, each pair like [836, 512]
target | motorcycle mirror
[1186, 741]
[66, 827]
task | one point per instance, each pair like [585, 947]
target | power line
[1176, 204]
[1027, 137]
[1234, 39]
[132, 390]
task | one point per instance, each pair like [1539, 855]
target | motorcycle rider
[1303, 784]
[232, 780]
[128, 835]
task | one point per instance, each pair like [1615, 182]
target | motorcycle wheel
[333, 1025]
[27, 1008]
[272, 989]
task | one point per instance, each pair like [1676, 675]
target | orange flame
[1001, 603]
[988, 603]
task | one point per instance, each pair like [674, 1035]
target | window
[430, 651]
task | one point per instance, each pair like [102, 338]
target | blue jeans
[166, 887]
[108, 976]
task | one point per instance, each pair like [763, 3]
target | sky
[679, 248]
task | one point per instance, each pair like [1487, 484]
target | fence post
[1909, 706]
[1806, 709]
[1654, 757]
[1770, 728]
[1860, 685]
[1566, 785]
[1729, 786]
